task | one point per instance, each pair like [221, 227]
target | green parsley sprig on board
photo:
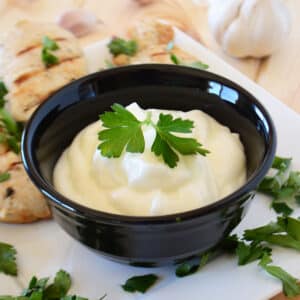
[188, 268]
[140, 283]
[254, 245]
[121, 46]
[48, 58]
[8, 263]
[124, 131]
[283, 186]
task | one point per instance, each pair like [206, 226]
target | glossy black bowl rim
[75, 208]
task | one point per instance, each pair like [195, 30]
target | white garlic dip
[141, 184]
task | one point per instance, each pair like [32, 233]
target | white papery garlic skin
[249, 28]
[80, 22]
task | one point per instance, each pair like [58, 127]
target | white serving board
[43, 247]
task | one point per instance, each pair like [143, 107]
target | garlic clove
[253, 28]
[78, 21]
[221, 14]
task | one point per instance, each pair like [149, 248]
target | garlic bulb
[80, 22]
[253, 28]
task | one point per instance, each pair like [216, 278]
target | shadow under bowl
[157, 240]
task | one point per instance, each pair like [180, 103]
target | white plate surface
[43, 247]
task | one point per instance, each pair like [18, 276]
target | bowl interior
[59, 119]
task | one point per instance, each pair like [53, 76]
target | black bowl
[148, 240]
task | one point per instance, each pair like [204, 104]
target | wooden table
[279, 74]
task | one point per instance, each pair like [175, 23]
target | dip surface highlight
[141, 184]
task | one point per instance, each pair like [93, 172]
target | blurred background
[261, 38]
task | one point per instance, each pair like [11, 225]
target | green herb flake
[8, 259]
[38, 289]
[283, 186]
[124, 132]
[140, 283]
[188, 268]
[60, 287]
[290, 286]
[3, 93]
[175, 59]
[285, 233]
[48, 58]
[195, 64]
[35, 285]
[49, 44]
[282, 208]
[10, 131]
[198, 65]
[248, 253]
[4, 176]
[73, 297]
[120, 46]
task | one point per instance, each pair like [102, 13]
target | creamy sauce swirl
[142, 184]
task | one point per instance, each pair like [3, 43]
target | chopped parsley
[248, 253]
[195, 64]
[4, 176]
[47, 56]
[290, 286]
[10, 131]
[283, 186]
[124, 131]
[140, 283]
[40, 289]
[120, 46]
[254, 245]
[187, 268]
[3, 92]
[8, 259]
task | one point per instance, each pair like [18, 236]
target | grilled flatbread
[152, 38]
[20, 201]
[28, 80]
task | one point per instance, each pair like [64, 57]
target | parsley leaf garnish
[120, 46]
[8, 259]
[187, 268]
[10, 131]
[139, 283]
[283, 186]
[48, 57]
[290, 286]
[3, 92]
[165, 140]
[124, 131]
[195, 64]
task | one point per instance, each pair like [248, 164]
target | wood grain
[279, 74]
